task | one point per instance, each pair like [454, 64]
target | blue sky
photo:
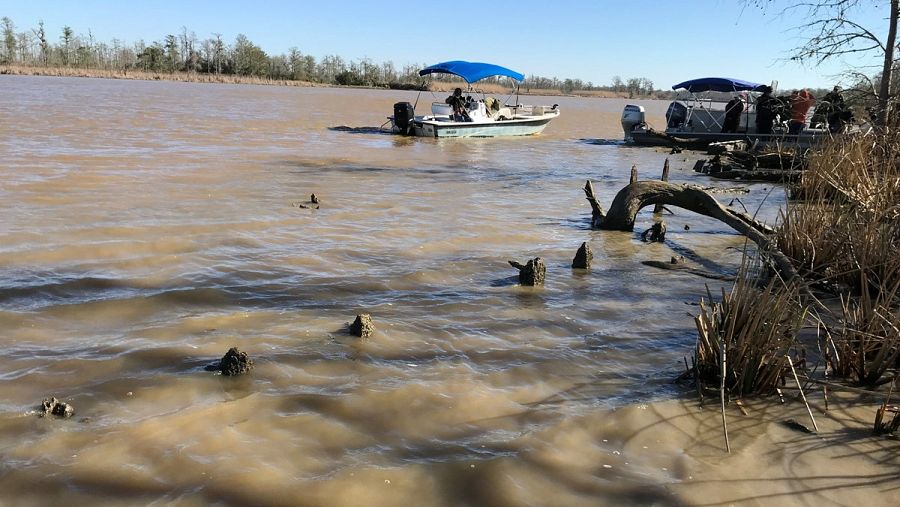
[664, 41]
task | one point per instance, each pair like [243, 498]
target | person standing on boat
[838, 112]
[801, 101]
[733, 111]
[458, 103]
[765, 113]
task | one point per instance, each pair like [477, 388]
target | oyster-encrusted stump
[532, 273]
[235, 363]
[52, 406]
[362, 326]
[583, 257]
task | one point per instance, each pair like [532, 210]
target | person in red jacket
[801, 101]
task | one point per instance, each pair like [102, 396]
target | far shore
[194, 77]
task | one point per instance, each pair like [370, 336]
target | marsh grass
[756, 327]
[869, 340]
[847, 234]
[843, 238]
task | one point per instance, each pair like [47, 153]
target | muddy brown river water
[146, 227]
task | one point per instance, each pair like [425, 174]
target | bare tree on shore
[183, 52]
[831, 32]
[43, 44]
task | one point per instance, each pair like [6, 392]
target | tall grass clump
[843, 238]
[756, 328]
[846, 233]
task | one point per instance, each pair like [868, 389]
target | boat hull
[805, 139]
[441, 127]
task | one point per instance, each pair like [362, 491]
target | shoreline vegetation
[194, 77]
[185, 57]
[816, 306]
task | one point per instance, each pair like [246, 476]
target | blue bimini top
[718, 84]
[471, 71]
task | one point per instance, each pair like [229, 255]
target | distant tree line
[185, 52]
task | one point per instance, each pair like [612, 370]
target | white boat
[484, 116]
[697, 116]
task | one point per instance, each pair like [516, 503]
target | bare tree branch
[831, 33]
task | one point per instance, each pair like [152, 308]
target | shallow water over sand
[149, 226]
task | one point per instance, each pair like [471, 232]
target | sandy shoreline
[771, 463]
[663, 453]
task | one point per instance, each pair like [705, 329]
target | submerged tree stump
[656, 233]
[312, 203]
[235, 363]
[52, 406]
[583, 257]
[362, 326]
[532, 273]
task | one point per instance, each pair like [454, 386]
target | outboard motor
[403, 117]
[632, 116]
[676, 115]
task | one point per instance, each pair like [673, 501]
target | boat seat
[477, 110]
[504, 113]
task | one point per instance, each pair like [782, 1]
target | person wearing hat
[458, 103]
[765, 111]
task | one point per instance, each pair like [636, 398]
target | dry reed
[757, 326]
[846, 234]
[844, 237]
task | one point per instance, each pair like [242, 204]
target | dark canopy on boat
[471, 71]
[718, 84]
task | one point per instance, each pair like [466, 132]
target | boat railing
[532, 110]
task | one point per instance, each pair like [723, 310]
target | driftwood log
[689, 143]
[631, 199]
[780, 166]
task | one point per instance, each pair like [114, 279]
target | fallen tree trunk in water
[631, 199]
[774, 176]
[689, 143]
[678, 265]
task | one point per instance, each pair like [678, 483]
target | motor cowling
[632, 116]
[403, 116]
[676, 115]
